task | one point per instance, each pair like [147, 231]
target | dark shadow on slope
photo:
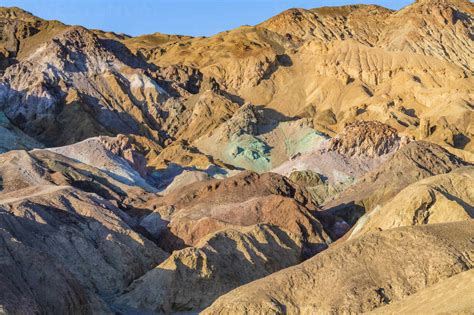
[272, 114]
[461, 141]
[63, 239]
[281, 61]
[333, 218]
[125, 55]
[230, 265]
[467, 207]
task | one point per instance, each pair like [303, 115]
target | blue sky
[188, 17]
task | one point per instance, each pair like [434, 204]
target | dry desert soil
[320, 162]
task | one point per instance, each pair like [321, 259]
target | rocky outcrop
[316, 184]
[413, 162]
[246, 199]
[366, 139]
[437, 199]
[192, 278]
[207, 112]
[359, 275]
[306, 178]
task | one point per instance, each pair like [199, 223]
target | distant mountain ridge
[320, 161]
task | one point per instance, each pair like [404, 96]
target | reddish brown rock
[243, 200]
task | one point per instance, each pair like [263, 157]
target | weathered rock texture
[246, 199]
[146, 144]
[438, 199]
[366, 139]
[359, 275]
[437, 298]
[413, 162]
[192, 278]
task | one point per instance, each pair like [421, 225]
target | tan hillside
[437, 299]
[439, 28]
[413, 162]
[318, 162]
[360, 275]
[194, 277]
[438, 199]
[330, 23]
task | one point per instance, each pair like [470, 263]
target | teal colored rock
[249, 152]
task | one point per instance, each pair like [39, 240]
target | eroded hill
[320, 161]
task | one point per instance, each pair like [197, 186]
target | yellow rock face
[438, 199]
[157, 180]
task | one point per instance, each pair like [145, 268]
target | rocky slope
[329, 24]
[438, 28]
[438, 199]
[360, 148]
[246, 199]
[192, 278]
[165, 173]
[436, 298]
[86, 241]
[346, 71]
[413, 162]
[359, 275]
[340, 67]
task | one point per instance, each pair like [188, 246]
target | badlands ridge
[320, 162]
